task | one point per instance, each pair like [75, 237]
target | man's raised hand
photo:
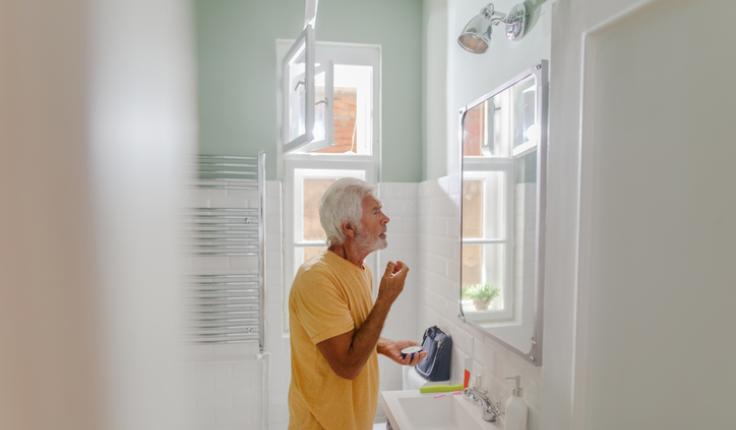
[392, 282]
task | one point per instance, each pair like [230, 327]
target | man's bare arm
[381, 344]
[347, 353]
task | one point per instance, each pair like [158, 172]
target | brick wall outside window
[343, 118]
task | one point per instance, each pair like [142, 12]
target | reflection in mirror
[502, 212]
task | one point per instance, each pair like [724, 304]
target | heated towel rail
[229, 227]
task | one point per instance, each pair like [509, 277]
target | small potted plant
[482, 295]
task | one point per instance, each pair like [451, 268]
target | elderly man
[335, 329]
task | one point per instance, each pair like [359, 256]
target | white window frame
[337, 54]
[531, 145]
[478, 168]
[293, 165]
[310, 12]
[306, 44]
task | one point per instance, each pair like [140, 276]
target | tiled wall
[439, 255]
[229, 378]
[277, 342]
[229, 382]
[400, 204]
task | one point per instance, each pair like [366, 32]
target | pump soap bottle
[516, 408]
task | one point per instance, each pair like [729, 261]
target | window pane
[483, 277]
[484, 205]
[313, 190]
[485, 128]
[297, 96]
[302, 254]
[525, 223]
[525, 126]
[474, 131]
[352, 109]
[473, 208]
[318, 132]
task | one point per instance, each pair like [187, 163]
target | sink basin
[410, 410]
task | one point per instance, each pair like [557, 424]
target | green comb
[440, 388]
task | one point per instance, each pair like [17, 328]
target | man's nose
[386, 219]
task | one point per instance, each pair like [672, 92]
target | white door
[642, 95]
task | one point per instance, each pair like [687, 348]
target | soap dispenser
[516, 408]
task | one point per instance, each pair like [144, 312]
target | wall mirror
[503, 141]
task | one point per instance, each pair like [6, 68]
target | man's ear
[348, 229]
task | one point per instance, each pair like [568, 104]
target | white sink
[410, 410]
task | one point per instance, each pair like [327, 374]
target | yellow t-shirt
[330, 296]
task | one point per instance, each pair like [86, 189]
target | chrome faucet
[490, 410]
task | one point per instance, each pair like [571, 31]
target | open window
[329, 95]
[298, 84]
[345, 142]
[323, 109]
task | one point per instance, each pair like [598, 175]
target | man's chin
[378, 245]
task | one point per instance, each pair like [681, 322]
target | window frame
[292, 164]
[470, 164]
[305, 40]
[479, 167]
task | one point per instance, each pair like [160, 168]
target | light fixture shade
[476, 35]
[516, 22]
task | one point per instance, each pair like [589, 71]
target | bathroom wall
[439, 254]
[277, 342]
[454, 77]
[236, 64]
[400, 203]
[434, 105]
[466, 77]
[642, 272]
[230, 380]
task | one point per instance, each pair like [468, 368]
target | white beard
[368, 244]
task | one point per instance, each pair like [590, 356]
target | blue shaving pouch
[436, 365]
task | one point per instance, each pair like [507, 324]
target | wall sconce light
[476, 35]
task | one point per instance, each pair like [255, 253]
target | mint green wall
[236, 64]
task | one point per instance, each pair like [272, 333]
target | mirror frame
[540, 71]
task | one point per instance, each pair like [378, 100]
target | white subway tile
[461, 338]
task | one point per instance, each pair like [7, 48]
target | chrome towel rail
[228, 307]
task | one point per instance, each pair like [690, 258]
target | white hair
[342, 202]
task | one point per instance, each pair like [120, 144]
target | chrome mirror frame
[540, 71]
